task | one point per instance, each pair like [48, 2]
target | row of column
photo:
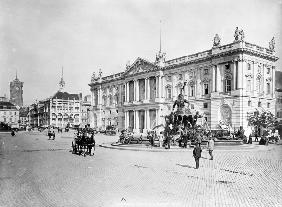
[218, 77]
[148, 86]
[136, 119]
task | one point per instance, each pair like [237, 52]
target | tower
[62, 82]
[160, 56]
[16, 91]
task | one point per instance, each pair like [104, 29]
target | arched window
[227, 84]
[259, 84]
[249, 85]
[192, 90]
[268, 88]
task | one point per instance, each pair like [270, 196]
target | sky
[39, 37]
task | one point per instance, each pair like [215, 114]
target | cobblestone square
[36, 171]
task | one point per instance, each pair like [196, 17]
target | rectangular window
[206, 88]
[249, 66]
[259, 104]
[268, 88]
[205, 105]
[268, 105]
[268, 70]
[227, 85]
[192, 106]
[249, 84]
[206, 71]
[192, 88]
[249, 103]
[168, 91]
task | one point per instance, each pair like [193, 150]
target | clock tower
[16, 92]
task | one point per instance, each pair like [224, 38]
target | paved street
[40, 172]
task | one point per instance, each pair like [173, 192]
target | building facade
[9, 114]
[16, 92]
[226, 83]
[60, 110]
[85, 108]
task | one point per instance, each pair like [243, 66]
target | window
[259, 68]
[268, 105]
[192, 106]
[192, 90]
[249, 85]
[206, 88]
[180, 77]
[205, 105]
[268, 70]
[227, 85]
[268, 88]
[259, 104]
[15, 113]
[206, 71]
[258, 85]
[249, 66]
[227, 67]
[206, 118]
[168, 93]
[249, 103]
[168, 78]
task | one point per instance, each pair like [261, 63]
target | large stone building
[226, 83]
[16, 92]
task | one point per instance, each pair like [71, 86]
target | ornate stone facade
[226, 83]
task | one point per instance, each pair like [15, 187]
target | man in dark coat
[197, 154]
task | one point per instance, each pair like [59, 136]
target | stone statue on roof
[216, 40]
[100, 73]
[272, 44]
[93, 77]
[239, 35]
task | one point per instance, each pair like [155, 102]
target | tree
[263, 119]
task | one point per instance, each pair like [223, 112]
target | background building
[85, 109]
[16, 92]
[9, 114]
[226, 83]
[60, 110]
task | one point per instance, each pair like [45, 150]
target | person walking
[197, 154]
[211, 147]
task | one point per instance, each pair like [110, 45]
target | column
[125, 120]
[137, 121]
[134, 90]
[161, 87]
[157, 86]
[234, 75]
[273, 82]
[157, 117]
[127, 91]
[148, 88]
[148, 119]
[137, 90]
[240, 74]
[145, 121]
[218, 79]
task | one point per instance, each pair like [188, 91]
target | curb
[156, 149]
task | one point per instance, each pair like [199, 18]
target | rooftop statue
[272, 44]
[100, 73]
[93, 77]
[216, 41]
[239, 35]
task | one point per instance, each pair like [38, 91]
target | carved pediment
[140, 66]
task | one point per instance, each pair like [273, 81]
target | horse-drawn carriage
[127, 137]
[84, 142]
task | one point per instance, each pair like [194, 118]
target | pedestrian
[53, 135]
[161, 139]
[211, 147]
[197, 154]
